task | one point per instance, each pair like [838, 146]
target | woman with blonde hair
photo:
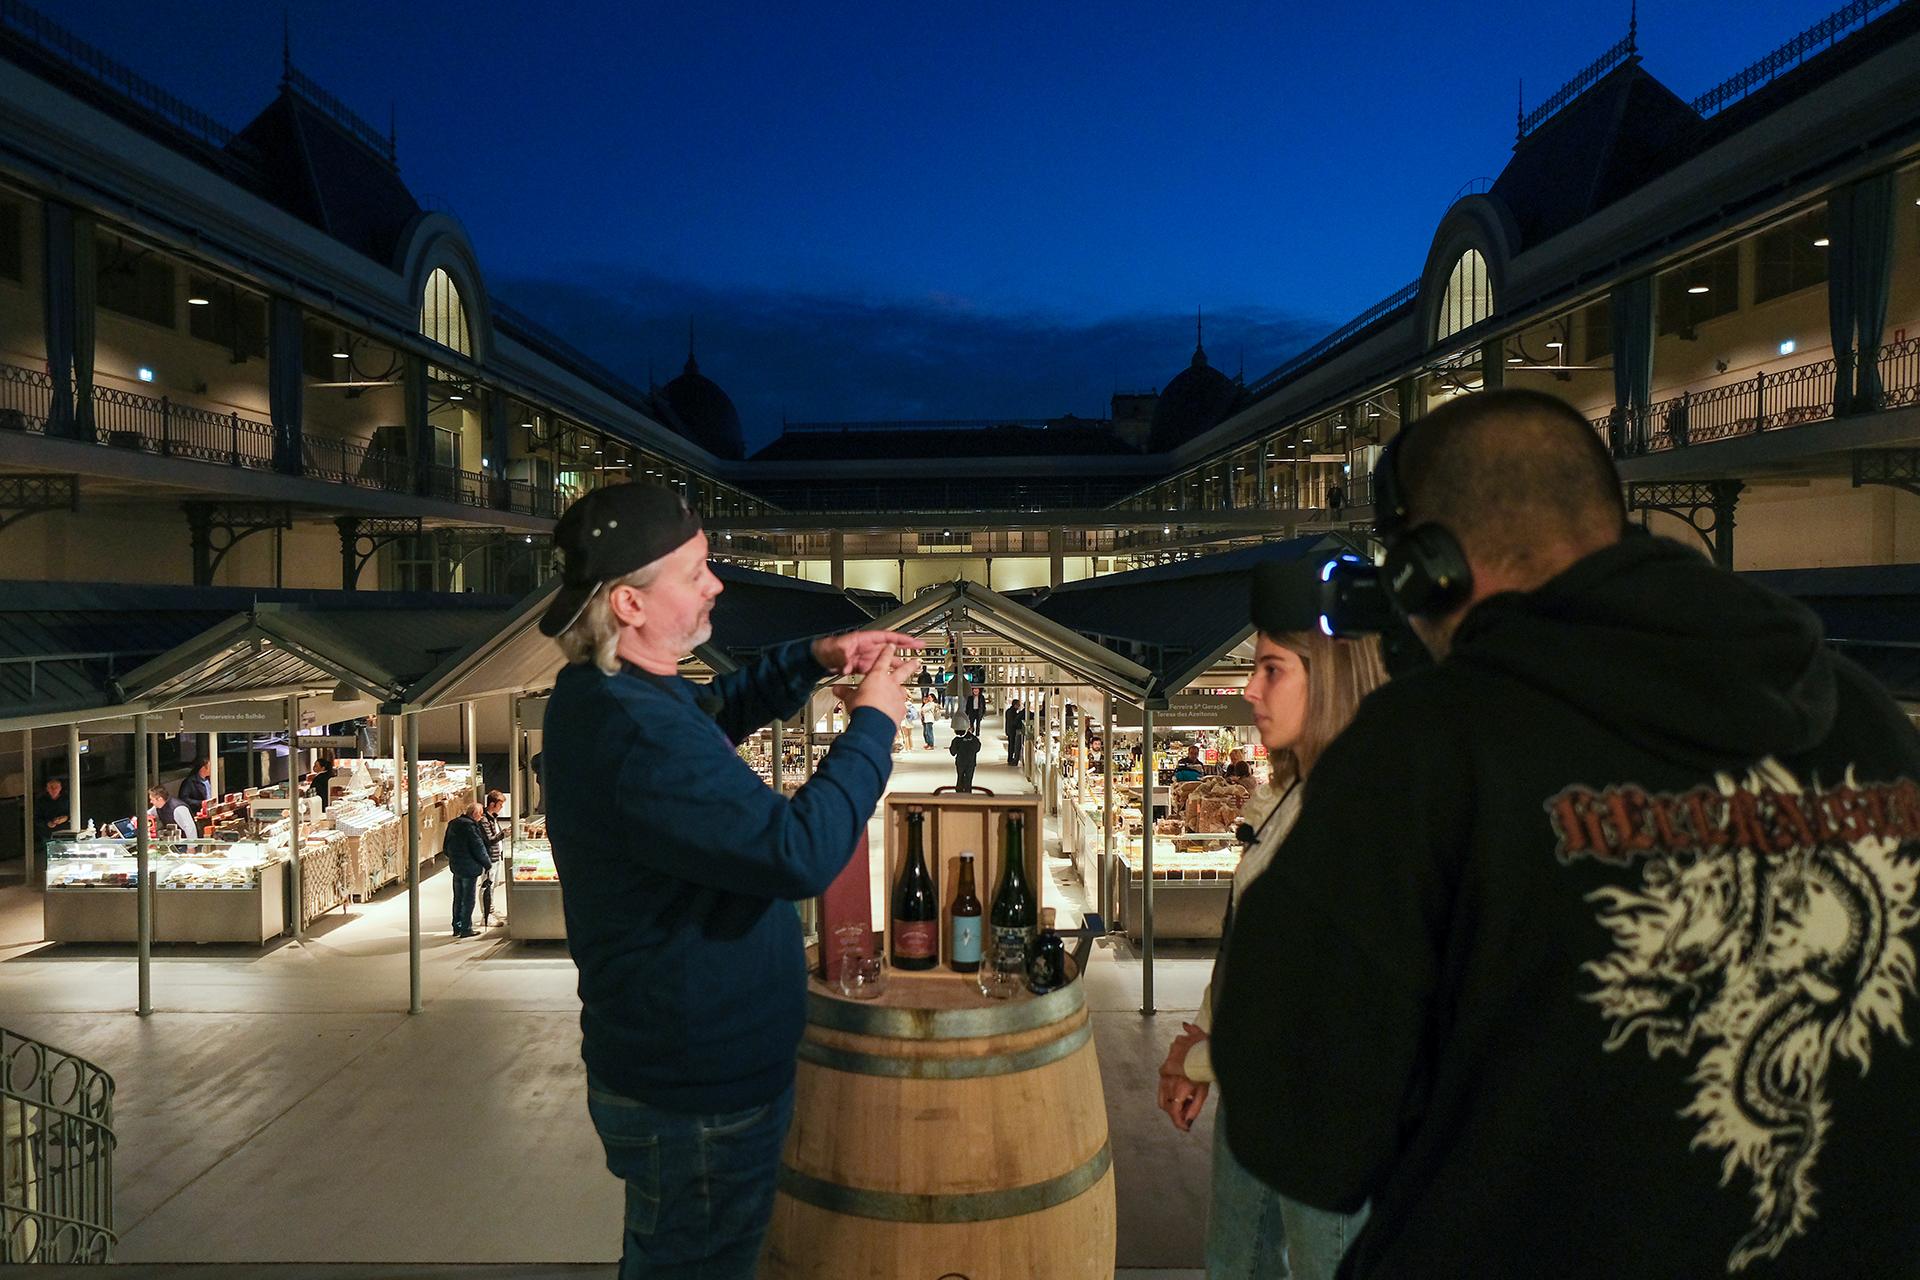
[1305, 688]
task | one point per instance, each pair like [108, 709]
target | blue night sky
[917, 210]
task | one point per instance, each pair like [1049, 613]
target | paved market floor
[281, 1106]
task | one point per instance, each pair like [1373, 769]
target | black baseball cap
[608, 534]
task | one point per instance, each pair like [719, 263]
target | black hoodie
[1586, 938]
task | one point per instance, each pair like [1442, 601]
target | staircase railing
[56, 1155]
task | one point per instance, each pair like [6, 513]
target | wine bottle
[916, 909]
[1046, 958]
[963, 950]
[1013, 905]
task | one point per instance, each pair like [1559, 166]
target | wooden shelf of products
[957, 824]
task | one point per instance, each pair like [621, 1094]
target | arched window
[442, 317]
[1469, 296]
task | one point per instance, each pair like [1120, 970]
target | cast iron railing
[56, 1155]
[1573, 88]
[155, 424]
[353, 462]
[1762, 402]
[26, 397]
[1789, 55]
[63, 46]
[1401, 297]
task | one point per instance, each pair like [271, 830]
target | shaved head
[1519, 477]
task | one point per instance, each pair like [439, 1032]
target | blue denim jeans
[926, 728]
[463, 887]
[699, 1188]
[1255, 1233]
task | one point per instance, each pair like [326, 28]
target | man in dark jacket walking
[465, 845]
[1016, 728]
[965, 750]
[1588, 983]
[679, 868]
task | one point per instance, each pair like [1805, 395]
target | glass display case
[207, 890]
[533, 891]
[1192, 881]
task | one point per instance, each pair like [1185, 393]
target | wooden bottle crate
[956, 824]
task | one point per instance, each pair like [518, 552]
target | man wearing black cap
[679, 866]
[1592, 953]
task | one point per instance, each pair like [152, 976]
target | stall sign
[235, 717]
[1213, 708]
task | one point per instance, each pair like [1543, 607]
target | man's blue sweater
[677, 865]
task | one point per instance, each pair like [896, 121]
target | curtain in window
[85, 291]
[1860, 223]
[1630, 309]
[58, 262]
[286, 381]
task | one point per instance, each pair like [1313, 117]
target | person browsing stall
[496, 837]
[679, 868]
[49, 812]
[1591, 953]
[465, 845]
[169, 810]
[197, 786]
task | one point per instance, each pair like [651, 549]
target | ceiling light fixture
[1822, 242]
[1514, 360]
[1698, 288]
[341, 355]
[198, 299]
[1556, 346]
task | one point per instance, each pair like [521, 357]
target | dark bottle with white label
[1014, 910]
[916, 908]
[963, 941]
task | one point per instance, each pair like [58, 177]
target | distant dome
[1199, 397]
[703, 413]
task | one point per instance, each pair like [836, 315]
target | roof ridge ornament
[1624, 52]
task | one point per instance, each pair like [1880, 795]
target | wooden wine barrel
[940, 1134]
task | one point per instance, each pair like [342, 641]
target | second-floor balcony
[163, 427]
[1762, 402]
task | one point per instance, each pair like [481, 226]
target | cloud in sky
[812, 357]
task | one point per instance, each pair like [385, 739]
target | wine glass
[862, 974]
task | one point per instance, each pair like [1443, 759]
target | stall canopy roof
[1176, 620]
[274, 650]
[970, 606]
[64, 646]
[755, 611]
[1870, 613]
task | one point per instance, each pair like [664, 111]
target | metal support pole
[806, 738]
[143, 849]
[413, 862]
[516, 748]
[779, 744]
[28, 794]
[1146, 861]
[213, 766]
[293, 820]
[1106, 842]
[73, 778]
[473, 754]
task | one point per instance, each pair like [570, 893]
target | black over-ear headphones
[1426, 569]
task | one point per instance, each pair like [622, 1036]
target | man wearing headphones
[1590, 984]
